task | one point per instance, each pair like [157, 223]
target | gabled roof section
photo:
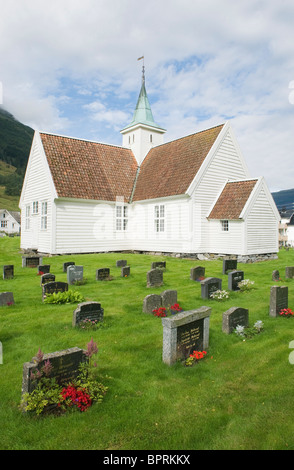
[89, 170]
[232, 200]
[169, 169]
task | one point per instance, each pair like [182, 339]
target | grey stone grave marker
[102, 274]
[233, 317]
[169, 298]
[125, 271]
[31, 261]
[155, 278]
[53, 287]
[67, 264]
[197, 273]
[151, 302]
[229, 265]
[159, 265]
[65, 367]
[275, 275]
[8, 271]
[87, 311]
[6, 298]
[48, 277]
[234, 277]
[74, 274]
[289, 272]
[278, 300]
[184, 333]
[121, 262]
[210, 285]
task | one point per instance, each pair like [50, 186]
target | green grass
[239, 397]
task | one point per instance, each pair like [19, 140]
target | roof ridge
[83, 140]
[190, 135]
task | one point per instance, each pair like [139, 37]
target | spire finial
[143, 69]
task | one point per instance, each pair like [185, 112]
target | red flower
[78, 397]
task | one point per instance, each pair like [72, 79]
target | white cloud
[71, 67]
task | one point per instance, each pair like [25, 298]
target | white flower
[258, 325]
[239, 330]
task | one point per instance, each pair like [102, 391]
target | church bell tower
[142, 133]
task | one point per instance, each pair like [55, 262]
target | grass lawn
[239, 397]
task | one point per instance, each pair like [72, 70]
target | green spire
[143, 113]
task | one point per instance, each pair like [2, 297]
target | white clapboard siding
[226, 163]
[230, 242]
[261, 226]
[37, 187]
[176, 236]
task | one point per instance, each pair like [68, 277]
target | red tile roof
[169, 169]
[232, 200]
[89, 170]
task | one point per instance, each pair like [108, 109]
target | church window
[121, 217]
[225, 225]
[35, 207]
[44, 215]
[151, 138]
[159, 215]
[27, 220]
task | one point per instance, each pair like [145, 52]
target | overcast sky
[70, 67]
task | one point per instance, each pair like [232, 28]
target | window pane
[161, 211]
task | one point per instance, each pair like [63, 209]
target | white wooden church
[193, 195]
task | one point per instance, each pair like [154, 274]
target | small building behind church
[191, 196]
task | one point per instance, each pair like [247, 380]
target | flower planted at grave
[48, 396]
[165, 312]
[195, 358]
[245, 333]
[286, 312]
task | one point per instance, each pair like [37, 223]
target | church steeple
[142, 133]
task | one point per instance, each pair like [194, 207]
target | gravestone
[125, 271]
[6, 299]
[102, 274]
[65, 367]
[197, 273]
[159, 265]
[155, 278]
[233, 317]
[121, 262]
[278, 300]
[48, 277]
[184, 333]
[289, 272]
[234, 277]
[209, 286]
[67, 264]
[44, 268]
[8, 271]
[151, 302]
[169, 298]
[53, 287]
[74, 274]
[87, 311]
[275, 275]
[229, 265]
[31, 261]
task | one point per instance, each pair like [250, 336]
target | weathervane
[143, 69]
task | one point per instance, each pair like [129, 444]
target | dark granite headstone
[102, 274]
[87, 311]
[8, 271]
[158, 264]
[43, 269]
[65, 367]
[31, 261]
[233, 317]
[229, 265]
[121, 262]
[48, 277]
[67, 264]
[51, 287]
[125, 271]
[289, 272]
[278, 300]
[209, 286]
[234, 277]
[197, 273]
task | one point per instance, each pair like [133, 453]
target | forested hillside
[15, 144]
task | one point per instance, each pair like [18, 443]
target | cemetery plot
[197, 273]
[125, 271]
[229, 265]
[209, 286]
[8, 271]
[165, 299]
[53, 287]
[184, 333]
[87, 311]
[74, 274]
[233, 317]
[289, 272]
[155, 278]
[234, 277]
[159, 265]
[48, 277]
[121, 262]
[43, 268]
[67, 264]
[278, 300]
[6, 299]
[31, 261]
[102, 274]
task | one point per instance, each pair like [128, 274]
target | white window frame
[159, 218]
[35, 207]
[44, 214]
[28, 215]
[121, 217]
